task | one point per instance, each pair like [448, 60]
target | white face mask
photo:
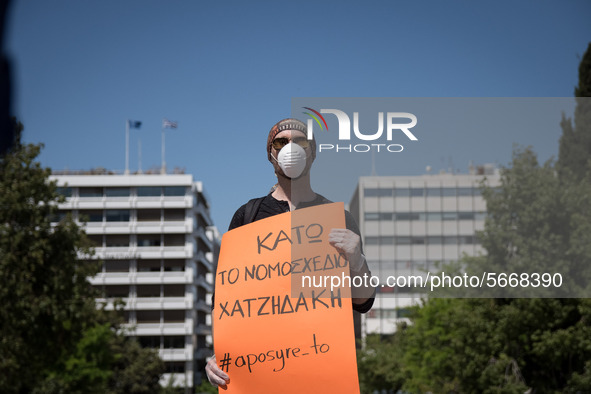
[292, 160]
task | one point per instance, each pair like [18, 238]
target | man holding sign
[274, 254]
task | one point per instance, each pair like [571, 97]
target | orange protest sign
[273, 335]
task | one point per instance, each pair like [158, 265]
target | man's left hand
[347, 243]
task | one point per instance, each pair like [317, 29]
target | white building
[409, 223]
[158, 243]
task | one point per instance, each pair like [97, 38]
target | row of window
[151, 291]
[423, 240]
[140, 191]
[422, 192]
[424, 216]
[155, 316]
[162, 341]
[388, 313]
[142, 240]
[405, 265]
[124, 215]
[174, 367]
[152, 265]
[166, 265]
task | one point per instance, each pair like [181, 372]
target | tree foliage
[539, 220]
[575, 142]
[505, 345]
[53, 338]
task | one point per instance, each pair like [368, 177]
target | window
[148, 290]
[174, 239]
[96, 240]
[377, 192]
[116, 265]
[148, 316]
[403, 312]
[449, 191]
[117, 291]
[450, 215]
[402, 192]
[378, 216]
[149, 191]
[382, 240]
[434, 192]
[64, 191]
[479, 216]
[149, 341]
[91, 215]
[148, 265]
[466, 215]
[174, 341]
[174, 191]
[148, 215]
[402, 240]
[434, 240]
[407, 216]
[434, 216]
[373, 192]
[174, 291]
[175, 367]
[417, 192]
[117, 215]
[91, 192]
[148, 240]
[468, 240]
[174, 265]
[464, 191]
[450, 240]
[386, 240]
[372, 240]
[372, 216]
[177, 316]
[118, 240]
[174, 215]
[117, 192]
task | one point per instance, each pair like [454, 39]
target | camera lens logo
[316, 118]
[389, 124]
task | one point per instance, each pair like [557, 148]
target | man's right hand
[215, 375]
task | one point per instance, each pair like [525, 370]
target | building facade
[157, 240]
[409, 225]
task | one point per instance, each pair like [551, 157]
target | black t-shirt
[270, 207]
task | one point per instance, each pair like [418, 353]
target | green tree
[508, 345]
[575, 142]
[136, 370]
[539, 220]
[53, 339]
[46, 300]
[205, 388]
[379, 363]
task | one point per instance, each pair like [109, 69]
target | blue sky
[228, 70]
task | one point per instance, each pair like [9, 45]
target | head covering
[289, 124]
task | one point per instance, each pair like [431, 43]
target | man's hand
[348, 244]
[215, 375]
